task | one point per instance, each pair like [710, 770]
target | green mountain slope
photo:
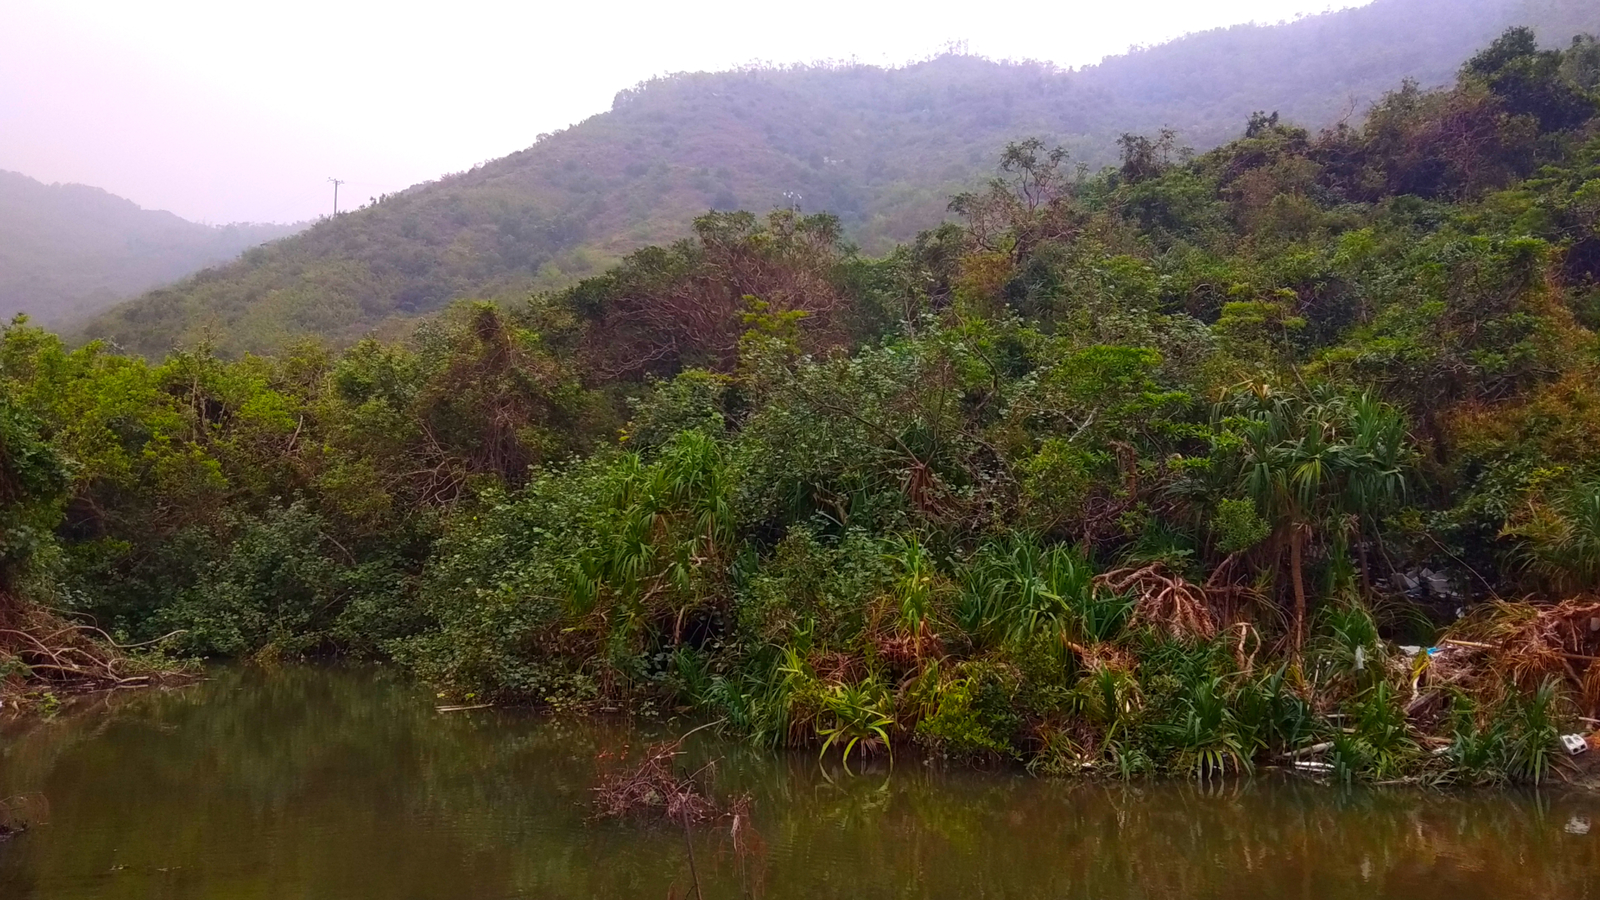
[68, 250]
[881, 148]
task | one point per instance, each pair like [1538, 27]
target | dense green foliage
[33, 481]
[68, 251]
[1123, 472]
[882, 149]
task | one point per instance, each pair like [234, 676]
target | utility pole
[336, 183]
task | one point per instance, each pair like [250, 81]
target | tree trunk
[1366, 573]
[10, 609]
[1297, 575]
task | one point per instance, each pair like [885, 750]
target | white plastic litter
[1574, 743]
[1577, 825]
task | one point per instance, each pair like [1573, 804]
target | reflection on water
[310, 783]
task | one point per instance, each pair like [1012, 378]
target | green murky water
[311, 783]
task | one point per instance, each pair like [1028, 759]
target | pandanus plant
[1559, 542]
[916, 587]
[1321, 466]
[668, 534]
[1019, 588]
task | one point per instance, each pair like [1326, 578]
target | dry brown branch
[40, 650]
[654, 785]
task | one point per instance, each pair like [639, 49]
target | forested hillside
[881, 149]
[68, 251]
[1185, 466]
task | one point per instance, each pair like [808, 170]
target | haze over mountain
[881, 148]
[226, 112]
[68, 250]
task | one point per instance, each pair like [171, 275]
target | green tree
[33, 483]
[1321, 466]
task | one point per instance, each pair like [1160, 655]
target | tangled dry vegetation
[653, 788]
[42, 652]
[1504, 645]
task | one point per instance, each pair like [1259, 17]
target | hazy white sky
[225, 111]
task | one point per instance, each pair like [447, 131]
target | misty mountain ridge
[883, 149]
[70, 250]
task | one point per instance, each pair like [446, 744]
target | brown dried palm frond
[1104, 655]
[1163, 600]
[836, 667]
[907, 651]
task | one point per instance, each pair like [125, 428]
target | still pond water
[315, 783]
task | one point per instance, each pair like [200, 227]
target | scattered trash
[1415, 650]
[462, 708]
[1314, 767]
[1361, 658]
[1575, 743]
[1438, 584]
[1420, 583]
[1577, 825]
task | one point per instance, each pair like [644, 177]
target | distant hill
[881, 148]
[68, 251]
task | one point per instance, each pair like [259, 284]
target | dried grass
[1525, 644]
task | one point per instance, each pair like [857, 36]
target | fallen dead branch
[39, 650]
